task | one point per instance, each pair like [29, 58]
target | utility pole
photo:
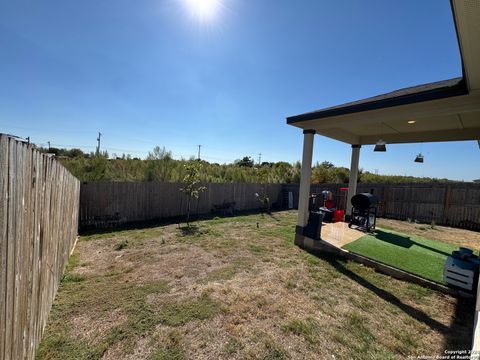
[98, 142]
[48, 146]
[199, 146]
[259, 158]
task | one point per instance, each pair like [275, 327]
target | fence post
[446, 204]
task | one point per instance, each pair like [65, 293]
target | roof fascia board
[419, 97]
[446, 106]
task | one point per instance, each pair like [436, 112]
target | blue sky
[148, 73]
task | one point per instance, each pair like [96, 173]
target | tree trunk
[188, 211]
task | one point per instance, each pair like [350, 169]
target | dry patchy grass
[237, 288]
[461, 237]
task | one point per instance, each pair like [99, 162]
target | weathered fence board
[109, 204]
[38, 226]
[451, 204]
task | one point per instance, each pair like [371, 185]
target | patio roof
[447, 110]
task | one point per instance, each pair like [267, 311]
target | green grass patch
[168, 353]
[251, 218]
[286, 233]
[257, 248]
[357, 327]
[73, 262]
[59, 346]
[73, 278]
[411, 253]
[102, 296]
[122, 244]
[290, 284]
[233, 346]
[406, 343]
[308, 329]
[274, 351]
[132, 234]
[182, 312]
[357, 339]
[171, 349]
[230, 220]
[221, 274]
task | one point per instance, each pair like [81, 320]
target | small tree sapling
[264, 199]
[190, 185]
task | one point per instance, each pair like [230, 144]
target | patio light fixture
[419, 158]
[380, 146]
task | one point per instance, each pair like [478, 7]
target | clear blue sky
[148, 73]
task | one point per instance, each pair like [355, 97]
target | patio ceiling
[447, 110]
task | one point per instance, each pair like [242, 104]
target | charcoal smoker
[364, 211]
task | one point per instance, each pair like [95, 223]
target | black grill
[364, 211]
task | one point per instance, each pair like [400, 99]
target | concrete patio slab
[339, 234]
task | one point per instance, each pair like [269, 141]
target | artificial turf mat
[411, 253]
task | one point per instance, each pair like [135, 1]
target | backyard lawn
[237, 288]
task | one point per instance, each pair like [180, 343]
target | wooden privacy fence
[38, 227]
[109, 204]
[450, 204]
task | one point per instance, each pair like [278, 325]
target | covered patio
[442, 111]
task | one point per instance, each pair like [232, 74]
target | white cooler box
[461, 269]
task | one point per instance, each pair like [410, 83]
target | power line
[99, 146]
[94, 147]
[140, 140]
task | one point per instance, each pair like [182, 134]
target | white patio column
[352, 182]
[305, 176]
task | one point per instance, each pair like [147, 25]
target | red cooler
[338, 215]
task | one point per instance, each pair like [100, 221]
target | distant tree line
[159, 165]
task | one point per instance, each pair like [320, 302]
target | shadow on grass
[403, 241]
[271, 215]
[457, 336]
[189, 230]
[148, 224]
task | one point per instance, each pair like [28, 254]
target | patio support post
[305, 176]
[352, 182]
